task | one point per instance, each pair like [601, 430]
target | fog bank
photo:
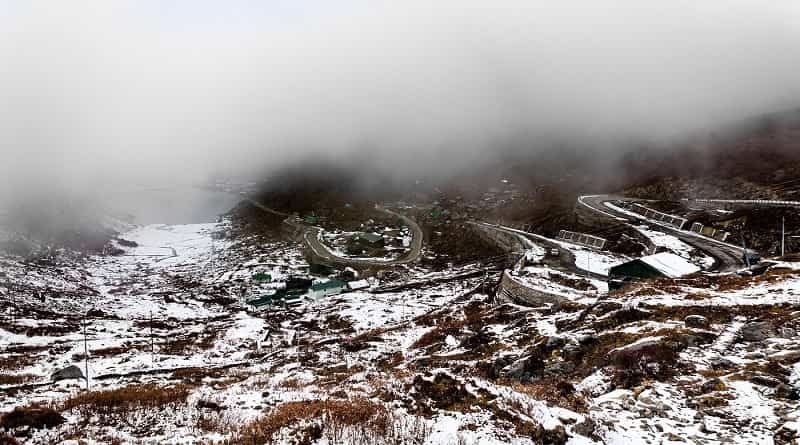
[103, 94]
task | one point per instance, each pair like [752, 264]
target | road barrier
[747, 202]
[594, 242]
[719, 235]
[672, 220]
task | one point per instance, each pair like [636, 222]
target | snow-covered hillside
[174, 357]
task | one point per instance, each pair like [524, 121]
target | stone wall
[506, 241]
[512, 291]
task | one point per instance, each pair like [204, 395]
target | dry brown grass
[124, 400]
[32, 416]
[698, 296]
[291, 384]
[189, 343]
[439, 333]
[52, 329]
[361, 341]
[366, 417]
[579, 284]
[109, 351]
[336, 375]
[16, 379]
[561, 394]
[7, 439]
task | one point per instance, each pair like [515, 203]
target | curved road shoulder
[727, 257]
[311, 239]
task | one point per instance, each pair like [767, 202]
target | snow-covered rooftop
[670, 264]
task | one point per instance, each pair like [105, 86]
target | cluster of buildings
[297, 289]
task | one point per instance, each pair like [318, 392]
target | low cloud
[116, 94]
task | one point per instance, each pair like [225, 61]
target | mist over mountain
[119, 94]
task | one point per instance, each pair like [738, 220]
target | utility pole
[85, 352]
[783, 236]
[746, 256]
[588, 265]
[152, 344]
[212, 256]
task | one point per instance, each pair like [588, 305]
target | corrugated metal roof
[333, 284]
[370, 237]
[670, 264]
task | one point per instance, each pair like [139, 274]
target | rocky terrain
[148, 334]
[174, 356]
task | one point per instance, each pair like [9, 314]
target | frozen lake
[169, 205]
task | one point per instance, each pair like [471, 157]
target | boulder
[585, 428]
[68, 373]
[554, 342]
[721, 363]
[787, 392]
[517, 370]
[559, 368]
[587, 339]
[556, 436]
[712, 385]
[765, 380]
[696, 321]
[756, 331]
[571, 351]
[496, 367]
[525, 369]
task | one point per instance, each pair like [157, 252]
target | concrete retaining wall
[734, 203]
[293, 228]
[512, 291]
[506, 241]
[672, 220]
[588, 217]
[711, 232]
[594, 242]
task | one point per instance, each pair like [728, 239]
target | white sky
[99, 92]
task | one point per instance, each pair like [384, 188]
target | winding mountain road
[727, 257]
[312, 240]
[312, 235]
[565, 260]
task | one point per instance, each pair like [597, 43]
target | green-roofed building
[282, 297]
[262, 277]
[261, 303]
[326, 289]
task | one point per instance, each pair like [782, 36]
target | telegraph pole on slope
[85, 352]
[746, 256]
[212, 256]
[783, 236]
[152, 344]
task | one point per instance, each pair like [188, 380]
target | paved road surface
[311, 239]
[565, 260]
[727, 257]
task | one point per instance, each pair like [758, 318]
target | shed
[261, 303]
[371, 238]
[298, 283]
[262, 277]
[328, 288]
[358, 284]
[289, 297]
[664, 264]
